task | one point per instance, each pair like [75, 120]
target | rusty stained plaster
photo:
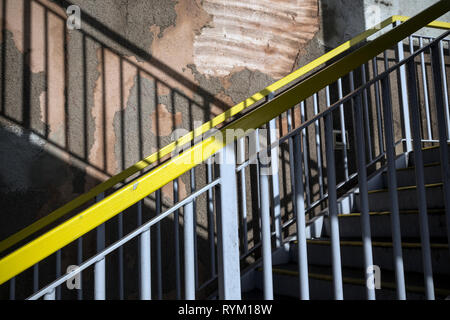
[263, 35]
[212, 43]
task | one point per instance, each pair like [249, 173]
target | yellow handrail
[104, 210]
[120, 177]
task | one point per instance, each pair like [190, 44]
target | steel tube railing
[392, 187]
[420, 181]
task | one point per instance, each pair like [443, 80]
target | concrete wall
[78, 106]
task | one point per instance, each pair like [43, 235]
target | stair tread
[381, 213]
[377, 243]
[429, 186]
[432, 164]
[414, 281]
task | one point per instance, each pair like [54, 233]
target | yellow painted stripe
[357, 281]
[154, 158]
[433, 147]
[104, 210]
[434, 24]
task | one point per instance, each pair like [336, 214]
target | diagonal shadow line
[112, 35]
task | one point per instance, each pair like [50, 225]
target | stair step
[380, 224]
[379, 200]
[319, 253]
[407, 176]
[285, 281]
[430, 155]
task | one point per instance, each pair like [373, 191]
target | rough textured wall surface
[78, 106]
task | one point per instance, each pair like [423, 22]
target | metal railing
[227, 199]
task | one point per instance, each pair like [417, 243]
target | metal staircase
[285, 274]
[313, 188]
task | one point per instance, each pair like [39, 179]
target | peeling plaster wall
[80, 106]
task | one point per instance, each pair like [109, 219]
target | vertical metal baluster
[12, 289]
[343, 129]
[189, 252]
[58, 274]
[425, 90]
[193, 188]
[411, 45]
[120, 251]
[145, 267]
[240, 160]
[366, 113]
[211, 224]
[50, 296]
[392, 186]
[265, 225]
[420, 180]
[404, 94]
[227, 227]
[274, 154]
[318, 147]
[305, 155]
[363, 193]
[158, 247]
[291, 158]
[99, 269]
[378, 106]
[176, 225]
[332, 208]
[442, 127]
[79, 262]
[36, 277]
[301, 217]
[444, 84]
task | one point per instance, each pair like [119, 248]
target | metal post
[444, 84]
[12, 289]
[158, 247]
[404, 94]
[442, 127]
[305, 155]
[211, 224]
[120, 251]
[318, 147]
[99, 269]
[420, 182]
[240, 160]
[425, 90]
[291, 157]
[193, 188]
[145, 270]
[343, 129]
[58, 273]
[392, 185]
[274, 154]
[300, 216]
[189, 253]
[50, 295]
[176, 224]
[332, 210]
[378, 106]
[366, 112]
[36, 277]
[227, 227]
[363, 193]
[79, 262]
[265, 227]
